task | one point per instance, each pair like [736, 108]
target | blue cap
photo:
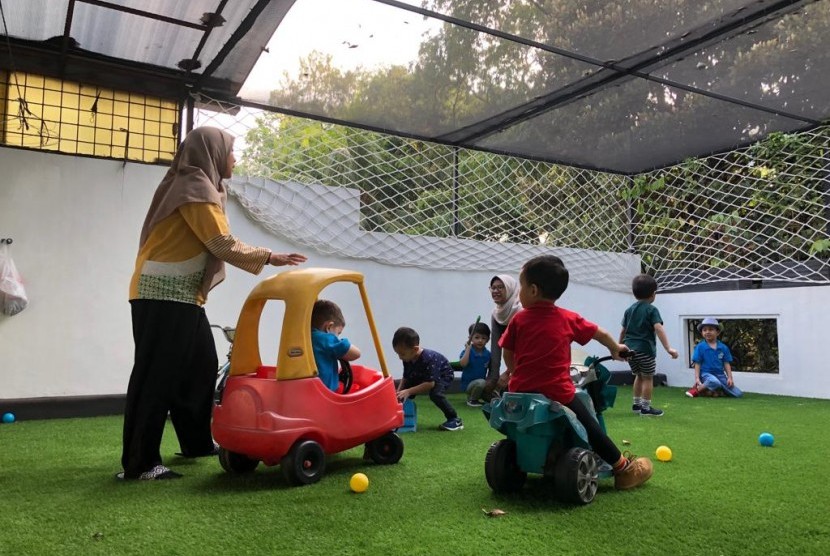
[708, 321]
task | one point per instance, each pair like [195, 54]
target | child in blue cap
[712, 359]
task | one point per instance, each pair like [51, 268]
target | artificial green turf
[721, 494]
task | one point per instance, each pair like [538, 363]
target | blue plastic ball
[8, 417]
[766, 439]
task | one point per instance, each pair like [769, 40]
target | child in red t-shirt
[537, 351]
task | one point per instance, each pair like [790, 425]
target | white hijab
[505, 311]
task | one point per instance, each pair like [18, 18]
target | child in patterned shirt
[425, 371]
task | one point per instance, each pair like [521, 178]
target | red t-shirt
[540, 338]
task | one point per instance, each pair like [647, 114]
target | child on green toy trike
[536, 348]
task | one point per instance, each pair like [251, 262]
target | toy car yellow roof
[299, 290]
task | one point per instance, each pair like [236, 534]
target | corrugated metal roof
[618, 86]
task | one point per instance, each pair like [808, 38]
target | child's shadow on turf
[539, 493]
[271, 477]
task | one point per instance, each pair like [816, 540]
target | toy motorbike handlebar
[624, 354]
[587, 374]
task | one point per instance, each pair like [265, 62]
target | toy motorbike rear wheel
[575, 476]
[502, 468]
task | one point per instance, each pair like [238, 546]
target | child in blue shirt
[327, 324]
[712, 359]
[425, 371]
[475, 363]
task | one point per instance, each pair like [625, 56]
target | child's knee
[475, 388]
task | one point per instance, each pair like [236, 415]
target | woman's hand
[289, 259]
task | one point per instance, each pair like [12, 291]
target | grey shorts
[642, 364]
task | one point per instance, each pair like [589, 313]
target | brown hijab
[195, 176]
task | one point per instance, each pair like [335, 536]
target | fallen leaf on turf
[626, 443]
[495, 512]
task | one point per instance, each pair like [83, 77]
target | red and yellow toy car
[285, 414]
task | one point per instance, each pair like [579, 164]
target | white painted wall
[803, 322]
[75, 224]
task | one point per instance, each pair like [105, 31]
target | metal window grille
[49, 114]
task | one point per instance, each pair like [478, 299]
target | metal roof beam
[142, 13]
[240, 32]
[613, 72]
[96, 69]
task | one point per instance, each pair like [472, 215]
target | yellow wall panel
[82, 119]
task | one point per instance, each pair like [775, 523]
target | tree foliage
[767, 203]
[752, 342]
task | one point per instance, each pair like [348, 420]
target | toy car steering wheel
[345, 375]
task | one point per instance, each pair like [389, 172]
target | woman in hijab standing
[504, 290]
[184, 244]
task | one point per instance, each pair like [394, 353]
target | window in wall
[49, 114]
[753, 342]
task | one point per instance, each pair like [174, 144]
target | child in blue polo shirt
[475, 363]
[713, 369]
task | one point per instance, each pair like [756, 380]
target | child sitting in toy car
[327, 324]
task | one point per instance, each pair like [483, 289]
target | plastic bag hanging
[12, 293]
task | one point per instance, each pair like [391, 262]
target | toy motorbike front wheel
[575, 476]
[502, 469]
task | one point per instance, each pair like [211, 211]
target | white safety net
[758, 213]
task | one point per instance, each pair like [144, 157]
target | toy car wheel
[575, 476]
[386, 450]
[236, 463]
[502, 468]
[304, 463]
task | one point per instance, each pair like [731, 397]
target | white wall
[803, 322]
[75, 224]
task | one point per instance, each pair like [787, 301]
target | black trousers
[438, 396]
[602, 445]
[490, 389]
[174, 372]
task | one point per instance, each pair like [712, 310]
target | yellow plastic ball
[359, 482]
[664, 453]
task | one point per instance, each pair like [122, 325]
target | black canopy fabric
[624, 86]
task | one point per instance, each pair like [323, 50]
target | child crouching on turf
[475, 363]
[425, 371]
[537, 351]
